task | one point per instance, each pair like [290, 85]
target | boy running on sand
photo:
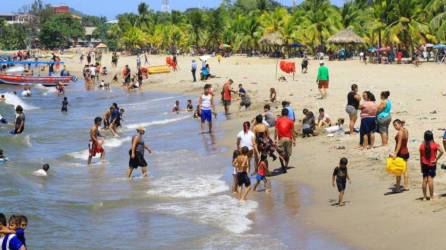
[341, 176]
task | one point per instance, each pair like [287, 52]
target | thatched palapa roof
[346, 36]
[273, 38]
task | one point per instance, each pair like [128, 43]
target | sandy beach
[371, 219]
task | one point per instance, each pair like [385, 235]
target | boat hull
[27, 80]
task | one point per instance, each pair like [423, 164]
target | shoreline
[389, 219]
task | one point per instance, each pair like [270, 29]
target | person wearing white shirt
[246, 138]
[43, 172]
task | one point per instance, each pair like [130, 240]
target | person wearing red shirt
[226, 95]
[284, 137]
[428, 160]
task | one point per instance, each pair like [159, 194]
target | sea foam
[184, 187]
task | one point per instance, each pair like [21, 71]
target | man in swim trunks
[95, 145]
[323, 79]
[206, 107]
[284, 138]
[226, 95]
[137, 153]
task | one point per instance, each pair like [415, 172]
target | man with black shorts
[137, 153]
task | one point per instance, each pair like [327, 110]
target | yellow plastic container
[396, 166]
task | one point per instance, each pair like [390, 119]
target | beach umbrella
[226, 46]
[346, 36]
[204, 58]
[439, 46]
[373, 50]
[274, 38]
[429, 45]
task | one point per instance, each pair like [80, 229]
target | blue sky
[110, 8]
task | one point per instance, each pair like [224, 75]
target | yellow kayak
[159, 69]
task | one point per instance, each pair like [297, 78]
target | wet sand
[370, 219]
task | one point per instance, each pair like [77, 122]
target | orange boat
[44, 80]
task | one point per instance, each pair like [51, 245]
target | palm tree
[438, 21]
[197, 22]
[408, 29]
[318, 20]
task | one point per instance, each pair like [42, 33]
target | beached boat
[26, 80]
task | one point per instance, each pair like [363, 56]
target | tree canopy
[242, 23]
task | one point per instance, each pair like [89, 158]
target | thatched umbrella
[346, 36]
[274, 38]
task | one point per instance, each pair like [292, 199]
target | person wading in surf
[206, 107]
[95, 145]
[137, 153]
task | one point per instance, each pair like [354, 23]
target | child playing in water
[43, 172]
[241, 163]
[176, 107]
[2, 157]
[64, 105]
[341, 176]
[189, 107]
[261, 173]
[235, 154]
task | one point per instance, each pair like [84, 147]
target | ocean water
[184, 204]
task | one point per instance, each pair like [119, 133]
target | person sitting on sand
[242, 166]
[353, 99]
[43, 172]
[384, 118]
[428, 159]
[95, 144]
[340, 175]
[338, 127]
[245, 101]
[402, 151]
[323, 120]
[272, 95]
[261, 173]
[368, 120]
[189, 106]
[176, 107]
[308, 123]
[204, 73]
